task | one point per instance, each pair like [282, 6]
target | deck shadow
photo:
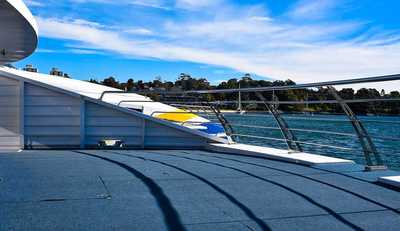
[307, 198]
[171, 216]
[232, 199]
[308, 178]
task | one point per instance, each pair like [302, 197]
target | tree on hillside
[111, 82]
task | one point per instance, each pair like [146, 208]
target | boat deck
[187, 190]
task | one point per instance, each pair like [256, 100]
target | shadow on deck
[187, 190]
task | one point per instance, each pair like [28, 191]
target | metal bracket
[367, 144]
[290, 138]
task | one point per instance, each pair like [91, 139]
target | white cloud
[34, 3]
[159, 4]
[196, 4]
[138, 31]
[84, 51]
[254, 42]
[40, 50]
[312, 9]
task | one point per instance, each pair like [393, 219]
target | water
[377, 126]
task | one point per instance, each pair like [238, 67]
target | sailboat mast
[240, 100]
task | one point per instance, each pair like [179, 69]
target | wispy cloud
[34, 3]
[255, 42]
[311, 9]
[138, 31]
[40, 50]
[196, 4]
[159, 4]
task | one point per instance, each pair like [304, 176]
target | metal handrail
[116, 92]
[169, 112]
[301, 102]
[188, 105]
[255, 126]
[317, 131]
[373, 159]
[375, 79]
[313, 118]
[301, 142]
[109, 92]
[134, 101]
[298, 130]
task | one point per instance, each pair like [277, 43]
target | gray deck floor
[186, 190]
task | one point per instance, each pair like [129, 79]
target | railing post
[366, 142]
[291, 139]
[225, 123]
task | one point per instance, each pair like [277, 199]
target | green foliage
[186, 82]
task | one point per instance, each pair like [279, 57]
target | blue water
[377, 126]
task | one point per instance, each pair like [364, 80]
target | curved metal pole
[224, 122]
[289, 136]
[367, 144]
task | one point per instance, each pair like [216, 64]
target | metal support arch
[367, 144]
[289, 136]
[225, 123]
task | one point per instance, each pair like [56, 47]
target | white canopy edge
[20, 6]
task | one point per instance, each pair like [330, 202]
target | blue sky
[304, 40]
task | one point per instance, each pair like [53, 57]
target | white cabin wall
[52, 119]
[107, 123]
[157, 135]
[10, 133]
[57, 120]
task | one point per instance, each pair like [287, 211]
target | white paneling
[51, 130]
[8, 101]
[51, 118]
[116, 121]
[9, 114]
[6, 121]
[113, 131]
[153, 129]
[8, 82]
[50, 101]
[132, 141]
[9, 111]
[9, 141]
[32, 90]
[9, 91]
[52, 111]
[101, 111]
[9, 130]
[107, 123]
[48, 141]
